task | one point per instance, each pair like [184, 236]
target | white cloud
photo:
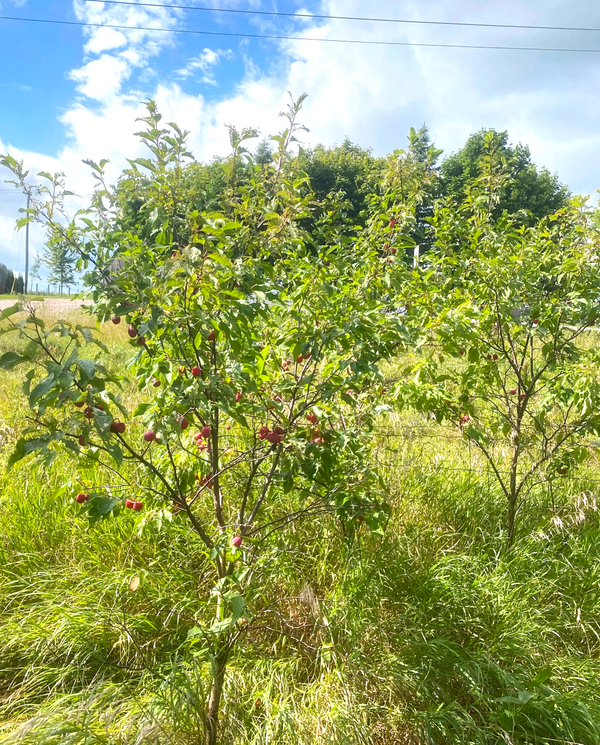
[372, 94]
[127, 15]
[101, 78]
[204, 64]
[104, 40]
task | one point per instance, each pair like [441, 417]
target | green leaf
[237, 605]
[22, 221]
[91, 339]
[105, 505]
[17, 454]
[525, 696]
[9, 162]
[221, 626]
[219, 259]
[73, 447]
[87, 367]
[7, 312]
[41, 389]
[10, 360]
[144, 162]
[542, 676]
[97, 168]
[100, 508]
[476, 434]
[25, 447]
[473, 355]
[116, 453]
[141, 409]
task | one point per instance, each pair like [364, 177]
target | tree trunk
[512, 490]
[214, 700]
[512, 512]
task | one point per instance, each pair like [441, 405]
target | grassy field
[430, 634]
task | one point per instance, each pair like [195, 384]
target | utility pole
[27, 249]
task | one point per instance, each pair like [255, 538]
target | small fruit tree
[503, 314]
[251, 345]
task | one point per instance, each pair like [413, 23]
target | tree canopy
[526, 186]
[345, 173]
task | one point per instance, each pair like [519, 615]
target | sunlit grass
[429, 634]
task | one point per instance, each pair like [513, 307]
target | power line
[368, 42]
[312, 16]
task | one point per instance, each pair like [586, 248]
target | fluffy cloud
[103, 40]
[204, 64]
[374, 94]
[101, 78]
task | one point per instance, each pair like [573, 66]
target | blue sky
[36, 59]
[68, 93]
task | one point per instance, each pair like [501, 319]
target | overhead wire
[242, 35]
[322, 16]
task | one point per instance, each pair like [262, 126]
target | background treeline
[344, 177]
[8, 282]
[342, 180]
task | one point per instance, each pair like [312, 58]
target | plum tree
[517, 302]
[233, 297]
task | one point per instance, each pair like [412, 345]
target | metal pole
[416, 256]
[27, 249]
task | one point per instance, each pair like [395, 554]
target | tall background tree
[342, 177]
[3, 277]
[60, 258]
[9, 284]
[527, 187]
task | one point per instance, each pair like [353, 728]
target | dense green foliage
[515, 303]
[342, 178]
[271, 506]
[526, 187]
[263, 338]
[9, 284]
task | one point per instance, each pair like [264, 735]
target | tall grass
[428, 634]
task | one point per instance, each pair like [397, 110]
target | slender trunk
[214, 700]
[512, 490]
[512, 511]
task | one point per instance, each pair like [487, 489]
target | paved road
[50, 305]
